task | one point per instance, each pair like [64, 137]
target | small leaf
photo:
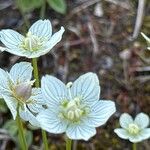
[29, 5]
[59, 6]
[29, 137]
[3, 107]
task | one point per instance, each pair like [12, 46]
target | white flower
[74, 108]
[16, 89]
[134, 130]
[38, 41]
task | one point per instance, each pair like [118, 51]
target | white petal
[37, 101]
[145, 133]
[100, 113]
[142, 120]
[12, 105]
[28, 116]
[135, 139]
[53, 91]
[21, 72]
[125, 120]
[10, 38]
[2, 48]
[50, 122]
[122, 133]
[4, 82]
[87, 86]
[42, 28]
[80, 131]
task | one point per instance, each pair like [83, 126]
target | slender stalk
[134, 146]
[68, 144]
[21, 135]
[37, 84]
[43, 9]
[27, 23]
[36, 73]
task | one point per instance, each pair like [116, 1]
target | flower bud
[24, 90]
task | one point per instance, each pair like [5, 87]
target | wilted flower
[16, 89]
[134, 130]
[147, 39]
[38, 41]
[74, 108]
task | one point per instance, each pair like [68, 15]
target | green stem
[43, 9]
[27, 23]
[68, 144]
[134, 146]
[21, 135]
[36, 73]
[37, 84]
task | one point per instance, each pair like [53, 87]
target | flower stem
[134, 146]
[21, 135]
[37, 84]
[68, 144]
[43, 9]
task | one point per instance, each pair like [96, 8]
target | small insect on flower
[147, 39]
[16, 89]
[74, 108]
[38, 41]
[134, 130]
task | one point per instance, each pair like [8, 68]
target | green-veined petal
[145, 133]
[28, 116]
[42, 28]
[21, 72]
[100, 113]
[37, 101]
[87, 86]
[4, 82]
[10, 38]
[53, 91]
[135, 139]
[50, 122]
[142, 120]
[125, 120]
[122, 133]
[12, 104]
[80, 131]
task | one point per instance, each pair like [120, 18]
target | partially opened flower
[134, 130]
[38, 41]
[16, 89]
[147, 39]
[74, 108]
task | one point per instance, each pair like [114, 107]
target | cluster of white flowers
[74, 108]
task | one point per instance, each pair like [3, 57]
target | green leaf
[12, 129]
[29, 137]
[28, 5]
[59, 6]
[3, 107]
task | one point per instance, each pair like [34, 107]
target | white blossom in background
[134, 130]
[16, 89]
[74, 108]
[38, 41]
[147, 39]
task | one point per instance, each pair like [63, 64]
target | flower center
[32, 42]
[73, 110]
[133, 129]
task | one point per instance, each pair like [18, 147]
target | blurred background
[101, 36]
